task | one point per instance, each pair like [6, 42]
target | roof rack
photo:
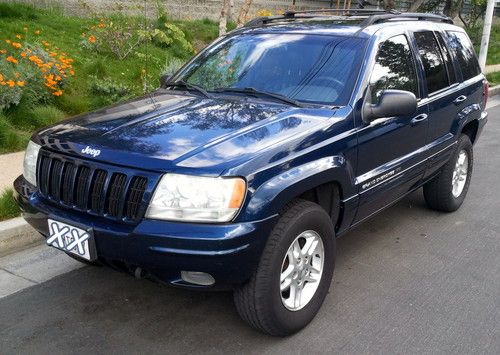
[372, 20]
[371, 17]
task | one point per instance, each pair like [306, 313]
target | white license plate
[71, 239]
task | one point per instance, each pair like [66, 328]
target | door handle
[417, 119]
[460, 99]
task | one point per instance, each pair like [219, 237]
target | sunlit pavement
[409, 281]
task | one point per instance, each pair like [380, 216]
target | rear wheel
[294, 274]
[447, 191]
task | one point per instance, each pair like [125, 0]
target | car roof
[350, 25]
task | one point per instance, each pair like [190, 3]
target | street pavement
[408, 281]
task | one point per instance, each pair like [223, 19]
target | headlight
[192, 198]
[30, 159]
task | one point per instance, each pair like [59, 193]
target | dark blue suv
[240, 171]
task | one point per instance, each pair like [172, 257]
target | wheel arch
[326, 181]
[470, 129]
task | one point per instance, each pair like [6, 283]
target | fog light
[198, 278]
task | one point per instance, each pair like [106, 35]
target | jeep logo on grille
[90, 151]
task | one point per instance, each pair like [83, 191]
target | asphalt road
[409, 281]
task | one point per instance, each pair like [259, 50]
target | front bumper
[228, 252]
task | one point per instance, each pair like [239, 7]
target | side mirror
[391, 103]
[165, 78]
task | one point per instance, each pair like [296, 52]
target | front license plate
[71, 239]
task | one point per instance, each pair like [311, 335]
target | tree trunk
[243, 13]
[389, 4]
[415, 6]
[452, 8]
[230, 15]
[223, 18]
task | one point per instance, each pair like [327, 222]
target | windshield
[306, 68]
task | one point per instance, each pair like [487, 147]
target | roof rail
[372, 20]
[371, 17]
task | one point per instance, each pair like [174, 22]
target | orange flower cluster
[54, 66]
[10, 83]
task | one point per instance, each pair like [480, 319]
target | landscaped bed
[54, 66]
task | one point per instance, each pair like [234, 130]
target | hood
[166, 130]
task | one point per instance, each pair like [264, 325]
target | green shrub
[73, 103]
[10, 139]
[110, 90]
[20, 11]
[42, 116]
[30, 117]
[8, 206]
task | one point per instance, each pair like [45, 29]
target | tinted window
[317, 69]
[394, 68]
[447, 58]
[464, 52]
[435, 71]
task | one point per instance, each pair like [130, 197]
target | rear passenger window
[435, 71]
[394, 68]
[447, 58]
[464, 52]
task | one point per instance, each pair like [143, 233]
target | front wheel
[294, 274]
[447, 191]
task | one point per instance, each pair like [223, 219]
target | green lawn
[99, 79]
[494, 46]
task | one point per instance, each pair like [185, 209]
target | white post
[488, 18]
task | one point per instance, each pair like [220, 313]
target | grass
[494, 44]
[493, 78]
[8, 206]
[80, 94]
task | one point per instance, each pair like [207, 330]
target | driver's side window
[394, 68]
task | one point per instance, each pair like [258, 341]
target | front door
[390, 150]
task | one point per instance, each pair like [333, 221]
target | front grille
[99, 191]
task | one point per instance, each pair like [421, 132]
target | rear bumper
[481, 123]
[229, 252]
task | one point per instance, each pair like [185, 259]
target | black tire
[259, 301]
[438, 192]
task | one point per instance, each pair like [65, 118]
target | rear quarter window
[462, 48]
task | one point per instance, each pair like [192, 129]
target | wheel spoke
[285, 284]
[310, 246]
[288, 272]
[297, 295]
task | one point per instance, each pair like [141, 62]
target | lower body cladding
[215, 256]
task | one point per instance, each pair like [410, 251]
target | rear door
[442, 90]
[390, 149]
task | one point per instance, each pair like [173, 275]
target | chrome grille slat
[100, 191]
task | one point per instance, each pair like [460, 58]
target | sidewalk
[11, 166]
[492, 68]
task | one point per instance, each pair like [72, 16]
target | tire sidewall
[315, 219]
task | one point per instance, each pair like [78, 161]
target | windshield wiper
[192, 87]
[255, 92]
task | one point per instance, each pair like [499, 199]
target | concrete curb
[494, 90]
[16, 234]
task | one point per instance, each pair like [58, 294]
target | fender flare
[271, 196]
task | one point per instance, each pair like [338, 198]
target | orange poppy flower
[20, 83]
[92, 39]
[12, 60]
